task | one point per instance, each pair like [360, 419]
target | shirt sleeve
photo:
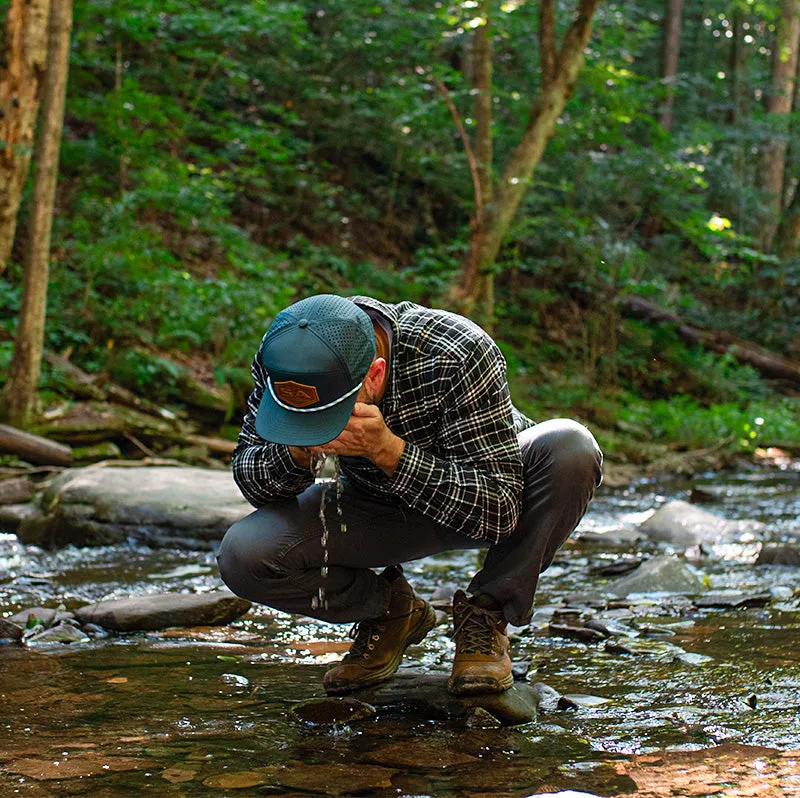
[264, 471]
[472, 480]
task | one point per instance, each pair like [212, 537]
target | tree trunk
[788, 235]
[482, 84]
[21, 390]
[673, 18]
[514, 182]
[779, 106]
[22, 63]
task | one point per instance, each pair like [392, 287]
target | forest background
[568, 174]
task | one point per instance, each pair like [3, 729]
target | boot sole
[486, 686]
[417, 635]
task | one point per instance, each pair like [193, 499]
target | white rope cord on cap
[310, 409]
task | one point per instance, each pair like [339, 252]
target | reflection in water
[191, 712]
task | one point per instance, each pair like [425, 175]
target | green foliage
[221, 160]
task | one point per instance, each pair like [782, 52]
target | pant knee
[232, 560]
[570, 448]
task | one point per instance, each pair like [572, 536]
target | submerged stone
[149, 613]
[682, 524]
[334, 710]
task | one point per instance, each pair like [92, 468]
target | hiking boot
[482, 663]
[379, 643]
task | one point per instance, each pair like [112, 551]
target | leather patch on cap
[295, 393]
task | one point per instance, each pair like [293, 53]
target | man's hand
[366, 435]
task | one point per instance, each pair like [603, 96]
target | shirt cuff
[287, 462]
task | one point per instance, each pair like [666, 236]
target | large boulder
[664, 574]
[682, 524]
[149, 613]
[157, 505]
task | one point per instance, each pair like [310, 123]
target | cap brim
[275, 424]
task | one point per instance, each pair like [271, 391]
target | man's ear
[375, 375]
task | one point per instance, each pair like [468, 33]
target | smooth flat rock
[12, 515]
[778, 554]
[157, 505]
[425, 695]
[149, 613]
[682, 524]
[9, 630]
[663, 574]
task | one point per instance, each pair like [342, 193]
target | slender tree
[560, 68]
[673, 20]
[779, 106]
[21, 390]
[22, 63]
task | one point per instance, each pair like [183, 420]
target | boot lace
[475, 632]
[364, 635]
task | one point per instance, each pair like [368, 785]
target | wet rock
[9, 630]
[778, 554]
[235, 680]
[617, 567]
[548, 696]
[663, 574]
[149, 613]
[691, 658]
[732, 599]
[598, 626]
[40, 615]
[520, 670]
[94, 631]
[479, 718]
[154, 505]
[580, 701]
[415, 692]
[580, 633]
[327, 711]
[61, 633]
[681, 524]
[16, 490]
[13, 515]
[702, 496]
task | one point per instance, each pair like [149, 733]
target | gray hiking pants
[273, 556]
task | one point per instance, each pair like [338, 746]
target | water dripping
[327, 472]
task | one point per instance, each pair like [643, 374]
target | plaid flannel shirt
[448, 399]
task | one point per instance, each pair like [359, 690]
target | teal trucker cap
[316, 354]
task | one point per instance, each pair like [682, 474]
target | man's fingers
[363, 409]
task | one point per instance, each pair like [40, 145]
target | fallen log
[100, 388]
[33, 448]
[762, 360]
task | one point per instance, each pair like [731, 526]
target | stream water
[207, 711]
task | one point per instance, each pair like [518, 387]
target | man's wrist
[389, 456]
[301, 456]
